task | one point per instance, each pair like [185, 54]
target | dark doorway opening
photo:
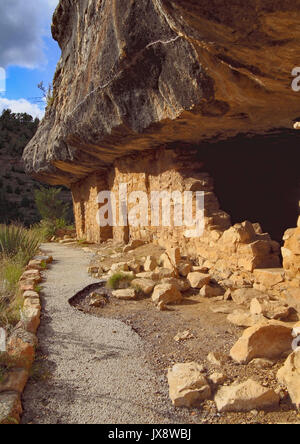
[257, 179]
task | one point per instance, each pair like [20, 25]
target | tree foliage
[16, 130]
[49, 204]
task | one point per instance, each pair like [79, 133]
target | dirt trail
[89, 370]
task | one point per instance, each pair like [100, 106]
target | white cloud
[23, 24]
[21, 106]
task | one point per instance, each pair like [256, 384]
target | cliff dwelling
[162, 109]
[195, 96]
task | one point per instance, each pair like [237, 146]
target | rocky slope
[140, 74]
[17, 201]
[16, 188]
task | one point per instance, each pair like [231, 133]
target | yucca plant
[17, 242]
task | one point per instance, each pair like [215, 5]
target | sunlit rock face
[142, 74]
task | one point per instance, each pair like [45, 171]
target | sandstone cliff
[141, 74]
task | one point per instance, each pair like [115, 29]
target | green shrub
[115, 280]
[10, 300]
[11, 271]
[19, 243]
[46, 229]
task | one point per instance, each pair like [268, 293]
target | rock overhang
[140, 74]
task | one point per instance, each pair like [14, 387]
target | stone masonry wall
[85, 208]
[243, 246]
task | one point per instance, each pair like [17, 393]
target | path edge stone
[22, 343]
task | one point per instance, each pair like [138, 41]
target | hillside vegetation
[17, 200]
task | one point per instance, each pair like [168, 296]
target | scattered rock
[174, 256]
[93, 270]
[148, 275]
[188, 386]
[269, 309]
[184, 268]
[162, 306]
[183, 336]
[243, 319]
[244, 296]
[183, 285]
[135, 267]
[133, 245]
[127, 294]
[262, 364]
[146, 286]
[198, 280]
[289, 376]
[167, 293]
[164, 273]
[224, 309]
[121, 266]
[264, 340]
[246, 397]
[200, 269]
[269, 276]
[217, 378]
[227, 295]
[211, 291]
[97, 300]
[218, 359]
[150, 264]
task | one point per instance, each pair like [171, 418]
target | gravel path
[97, 368]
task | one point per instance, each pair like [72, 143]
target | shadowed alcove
[258, 179]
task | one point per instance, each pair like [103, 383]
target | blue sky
[28, 53]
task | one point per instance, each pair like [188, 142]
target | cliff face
[142, 74]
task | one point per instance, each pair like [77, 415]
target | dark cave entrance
[258, 179]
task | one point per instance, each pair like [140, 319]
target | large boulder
[166, 293]
[187, 384]
[198, 280]
[289, 376]
[146, 286]
[183, 285]
[127, 294]
[243, 319]
[269, 276]
[244, 296]
[269, 309]
[246, 397]
[268, 340]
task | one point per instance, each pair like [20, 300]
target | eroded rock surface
[139, 74]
